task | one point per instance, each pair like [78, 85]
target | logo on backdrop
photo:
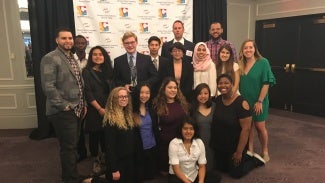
[144, 27]
[82, 10]
[163, 39]
[124, 12]
[103, 27]
[162, 13]
[180, 2]
[143, 1]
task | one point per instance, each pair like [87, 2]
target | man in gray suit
[65, 106]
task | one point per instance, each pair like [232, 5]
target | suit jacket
[59, 82]
[162, 73]
[146, 71]
[187, 80]
[189, 46]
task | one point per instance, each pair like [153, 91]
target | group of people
[183, 114]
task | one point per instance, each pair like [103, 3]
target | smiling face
[65, 41]
[144, 94]
[215, 30]
[123, 98]
[177, 53]
[188, 132]
[224, 86]
[224, 55]
[97, 57]
[203, 96]
[201, 52]
[130, 45]
[171, 91]
[249, 50]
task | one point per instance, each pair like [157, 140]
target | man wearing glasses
[132, 68]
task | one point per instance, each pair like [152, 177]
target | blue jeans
[67, 128]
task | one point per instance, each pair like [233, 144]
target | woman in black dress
[230, 129]
[98, 79]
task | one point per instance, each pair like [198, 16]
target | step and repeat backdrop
[103, 22]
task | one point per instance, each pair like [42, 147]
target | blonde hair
[242, 62]
[128, 35]
[115, 115]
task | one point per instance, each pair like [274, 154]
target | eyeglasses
[129, 43]
[123, 97]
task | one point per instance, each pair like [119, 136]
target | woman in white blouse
[187, 155]
[204, 68]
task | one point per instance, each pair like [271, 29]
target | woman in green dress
[255, 79]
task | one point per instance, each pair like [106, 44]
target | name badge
[189, 53]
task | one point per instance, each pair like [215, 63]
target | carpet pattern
[296, 145]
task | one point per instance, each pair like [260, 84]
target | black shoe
[259, 161]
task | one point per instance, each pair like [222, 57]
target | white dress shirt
[188, 163]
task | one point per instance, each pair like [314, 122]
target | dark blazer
[189, 46]
[146, 71]
[187, 79]
[162, 73]
[59, 82]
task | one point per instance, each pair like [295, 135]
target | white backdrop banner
[103, 22]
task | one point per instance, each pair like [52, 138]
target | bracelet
[260, 101]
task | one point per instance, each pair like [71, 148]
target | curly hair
[115, 115]
[160, 102]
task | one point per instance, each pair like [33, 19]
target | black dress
[225, 134]
[97, 87]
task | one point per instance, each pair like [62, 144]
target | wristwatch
[260, 101]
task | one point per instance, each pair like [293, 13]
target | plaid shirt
[214, 46]
[79, 108]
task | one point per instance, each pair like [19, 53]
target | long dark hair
[160, 102]
[197, 90]
[106, 67]
[136, 97]
[228, 65]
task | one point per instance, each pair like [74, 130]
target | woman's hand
[237, 158]
[116, 175]
[258, 108]
[101, 112]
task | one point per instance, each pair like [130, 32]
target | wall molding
[11, 55]
[28, 100]
[14, 101]
[16, 87]
[249, 6]
[266, 5]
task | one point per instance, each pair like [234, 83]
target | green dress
[251, 83]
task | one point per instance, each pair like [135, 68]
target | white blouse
[188, 163]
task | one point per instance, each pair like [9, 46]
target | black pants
[147, 168]
[67, 128]
[225, 164]
[96, 139]
[82, 150]
[126, 169]
[210, 177]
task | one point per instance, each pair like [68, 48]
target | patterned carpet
[297, 151]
